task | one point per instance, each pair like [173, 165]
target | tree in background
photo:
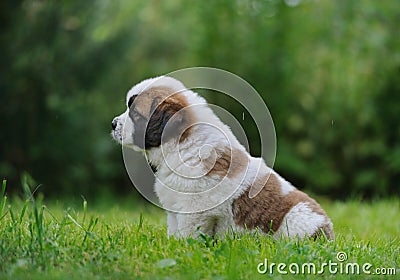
[51, 114]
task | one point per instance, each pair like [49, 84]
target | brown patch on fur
[156, 96]
[167, 109]
[268, 208]
[158, 106]
[144, 101]
[228, 163]
[187, 118]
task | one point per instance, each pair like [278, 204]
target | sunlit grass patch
[39, 241]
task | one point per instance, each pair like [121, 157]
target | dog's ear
[164, 112]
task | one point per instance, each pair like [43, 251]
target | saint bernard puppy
[205, 179]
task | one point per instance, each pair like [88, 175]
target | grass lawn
[48, 239]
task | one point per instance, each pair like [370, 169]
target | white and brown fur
[205, 177]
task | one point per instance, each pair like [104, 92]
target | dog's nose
[114, 124]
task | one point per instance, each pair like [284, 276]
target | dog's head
[155, 114]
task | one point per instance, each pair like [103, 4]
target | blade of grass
[3, 198]
[11, 214]
[93, 222]
[26, 203]
[51, 214]
[75, 222]
[89, 231]
[140, 224]
[38, 215]
[84, 209]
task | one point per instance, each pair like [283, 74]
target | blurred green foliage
[329, 72]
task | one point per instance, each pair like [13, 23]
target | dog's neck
[186, 155]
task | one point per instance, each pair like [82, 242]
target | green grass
[119, 240]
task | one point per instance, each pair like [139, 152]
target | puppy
[205, 179]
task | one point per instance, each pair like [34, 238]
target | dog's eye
[131, 100]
